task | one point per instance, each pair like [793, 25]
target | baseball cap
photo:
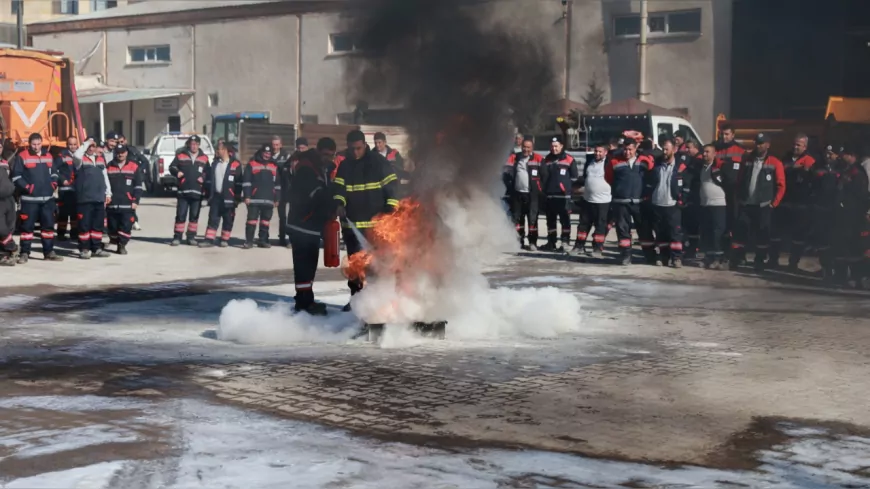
[111, 135]
[557, 139]
[762, 138]
[266, 148]
[121, 148]
[193, 138]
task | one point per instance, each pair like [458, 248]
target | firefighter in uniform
[189, 167]
[93, 193]
[559, 172]
[35, 176]
[730, 156]
[224, 190]
[285, 161]
[663, 190]
[395, 159]
[125, 181]
[66, 196]
[713, 208]
[626, 174]
[792, 220]
[595, 206]
[852, 221]
[824, 193]
[522, 180]
[693, 161]
[760, 188]
[144, 168]
[311, 207]
[7, 214]
[364, 186]
[261, 190]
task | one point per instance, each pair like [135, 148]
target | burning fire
[394, 242]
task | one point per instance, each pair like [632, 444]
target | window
[664, 130]
[118, 126]
[690, 134]
[103, 4]
[659, 24]
[213, 99]
[140, 133]
[174, 123]
[149, 54]
[68, 7]
[342, 43]
[309, 119]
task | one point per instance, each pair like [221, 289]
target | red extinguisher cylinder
[331, 241]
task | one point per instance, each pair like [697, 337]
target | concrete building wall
[36, 10]
[178, 73]
[687, 71]
[323, 80]
[76, 45]
[258, 74]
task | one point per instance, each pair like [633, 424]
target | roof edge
[193, 16]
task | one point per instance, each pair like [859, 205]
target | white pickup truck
[162, 151]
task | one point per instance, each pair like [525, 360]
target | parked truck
[247, 131]
[37, 95]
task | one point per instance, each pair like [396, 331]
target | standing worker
[7, 213]
[664, 191]
[730, 155]
[364, 186]
[760, 187]
[791, 222]
[144, 167]
[713, 210]
[824, 193]
[595, 205]
[559, 172]
[691, 212]
[522, 180]
[66, 195]
[34, 174]
[93, 194]
[626, 174]
[395, 159]
[261, 190]
[224, 189]
[285, 161]
[851, 220]
[125, 182]
[312, 206]
[189, 167]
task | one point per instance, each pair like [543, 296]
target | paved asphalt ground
[112, 375]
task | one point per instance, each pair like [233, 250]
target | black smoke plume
[465, 81]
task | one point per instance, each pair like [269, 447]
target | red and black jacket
[35, 175]
[560, 171]
[231, 187]
[533, 168]
[627, 181]
[125, 179]
[798, 177]
[730, 160]
[65, 171]
[770, 184]
[311, 203]
[260, 182]
[193, 170]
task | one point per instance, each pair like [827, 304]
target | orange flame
[395, 241]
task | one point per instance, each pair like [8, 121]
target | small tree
[594, 96]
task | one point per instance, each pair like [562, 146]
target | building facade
[287, 57]
[38, 10]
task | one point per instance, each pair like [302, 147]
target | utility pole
[567, 17]
[641, 55]
[20, 19]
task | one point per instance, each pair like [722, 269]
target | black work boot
[7, 261]
[625, 259]
[52, 256]
[122, 249]
[23, 258]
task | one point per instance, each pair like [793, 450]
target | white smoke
[475, 233]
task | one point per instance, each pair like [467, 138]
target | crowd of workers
[709, 202]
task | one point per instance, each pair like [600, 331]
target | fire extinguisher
[331, 240]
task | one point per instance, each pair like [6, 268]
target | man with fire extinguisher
[311, 208]
[364, 186]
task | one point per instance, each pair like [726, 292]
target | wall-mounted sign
[169, 105]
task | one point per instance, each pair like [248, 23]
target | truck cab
[227, 126]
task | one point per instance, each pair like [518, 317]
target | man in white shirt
[665, 194]
[714, 210]
[595, 204]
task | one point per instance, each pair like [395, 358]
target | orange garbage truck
[37, 95]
